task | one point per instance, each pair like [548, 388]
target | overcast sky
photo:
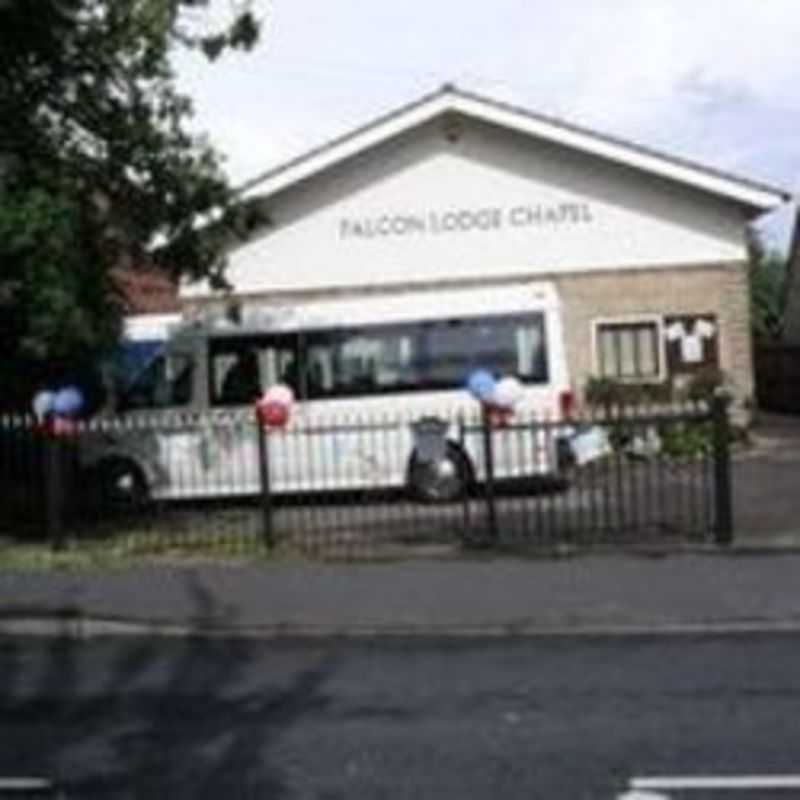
[714, 80]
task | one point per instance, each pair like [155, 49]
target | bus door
[241, 368]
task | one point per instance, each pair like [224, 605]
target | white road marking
[25, 786]
[733, 782]
[637, 795]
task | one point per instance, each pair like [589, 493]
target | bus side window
[241, 368]
[241, 384]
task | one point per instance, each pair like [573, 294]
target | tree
[97, 163]
[767, 278]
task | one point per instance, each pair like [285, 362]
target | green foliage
[686, 440]
[61, 303]
[608, 394]
[96, 163]
[705, 383]
[767, 278]
[612, 395]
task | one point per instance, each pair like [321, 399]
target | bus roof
[376, 309]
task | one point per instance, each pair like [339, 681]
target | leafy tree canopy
[96, 162]
[767, 277]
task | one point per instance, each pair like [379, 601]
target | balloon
[43, 403]
[68, 402]
[63, 427]
[280, 393]
[272, 414]
[508, 392]
[481, 384]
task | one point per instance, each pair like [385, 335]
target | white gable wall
[592, 216]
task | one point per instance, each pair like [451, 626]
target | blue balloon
[481, 384]
[68, 402]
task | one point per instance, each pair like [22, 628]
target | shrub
[607, 393]
[704, 383]
[686, 440]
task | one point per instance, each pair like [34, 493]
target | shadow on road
[148, 717]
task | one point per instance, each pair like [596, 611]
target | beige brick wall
[720, 290]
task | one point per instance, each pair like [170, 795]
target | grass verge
[128, 551]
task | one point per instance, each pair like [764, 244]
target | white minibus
[363, 370]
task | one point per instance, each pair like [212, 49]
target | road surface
[396, 718]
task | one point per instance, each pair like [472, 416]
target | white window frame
[632, 319]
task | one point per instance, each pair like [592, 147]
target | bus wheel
[120, 485]
[441, 481]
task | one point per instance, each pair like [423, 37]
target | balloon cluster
[274, 407]
[57, 411]
[499, 398]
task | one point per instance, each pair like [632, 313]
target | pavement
[765, 482]
[752, 585]
[691, 592]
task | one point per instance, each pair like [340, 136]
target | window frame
[631, 319]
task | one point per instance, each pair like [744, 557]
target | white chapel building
[645, 252]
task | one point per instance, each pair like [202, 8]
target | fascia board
[762, 199]
[759, 199]
[304, 168]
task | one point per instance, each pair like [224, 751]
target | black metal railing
[370, 485]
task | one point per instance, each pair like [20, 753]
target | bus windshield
[166, 382]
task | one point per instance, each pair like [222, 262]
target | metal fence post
[488, 463]
[54, 492]
[723, 488]
[266, 491]
[465, 496]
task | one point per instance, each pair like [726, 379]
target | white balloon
[280, 393]
[508, 392]
[43, 403]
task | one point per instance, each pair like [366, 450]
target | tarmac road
[442, 718]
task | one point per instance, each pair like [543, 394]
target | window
[166, 382]
[241, 367]
[365, 361]
[377, 359]
[422, 356]
[628, 350]
[503, 345]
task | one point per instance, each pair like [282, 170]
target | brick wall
[720, 290]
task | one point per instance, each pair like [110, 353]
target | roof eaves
[330, 144]
[552, 121]
[618, 141]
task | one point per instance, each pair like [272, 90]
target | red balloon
[272, 414]
[60, 426]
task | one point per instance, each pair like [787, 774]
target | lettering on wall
[465, 220]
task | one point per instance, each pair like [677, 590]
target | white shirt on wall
[691, 338]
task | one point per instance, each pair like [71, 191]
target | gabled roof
[755, 196]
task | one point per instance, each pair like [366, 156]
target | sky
[717, 81]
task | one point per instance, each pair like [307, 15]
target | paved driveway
[767, 479]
